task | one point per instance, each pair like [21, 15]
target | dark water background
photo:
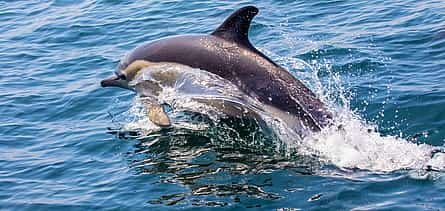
[57, 149]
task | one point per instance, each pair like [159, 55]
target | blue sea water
[380, 65]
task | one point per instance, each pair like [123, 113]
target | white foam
[357, 145]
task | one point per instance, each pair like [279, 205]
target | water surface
[68, 143]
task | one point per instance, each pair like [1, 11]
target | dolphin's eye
[122, 76]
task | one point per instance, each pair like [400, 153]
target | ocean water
[67, 143]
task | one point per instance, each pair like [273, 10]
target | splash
[350, 143]
[353, 144]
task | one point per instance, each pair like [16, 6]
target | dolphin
[228, 53]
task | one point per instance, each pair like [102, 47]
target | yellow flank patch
[134, 68]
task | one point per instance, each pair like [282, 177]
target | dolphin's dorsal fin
[236, 27]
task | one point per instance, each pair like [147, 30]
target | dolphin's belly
[195, 90]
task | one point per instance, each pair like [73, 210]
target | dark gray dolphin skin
[228, 53]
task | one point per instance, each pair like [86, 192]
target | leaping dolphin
[228, 53]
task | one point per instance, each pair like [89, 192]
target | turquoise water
[65, 141]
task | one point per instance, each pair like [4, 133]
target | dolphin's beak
[112, 81]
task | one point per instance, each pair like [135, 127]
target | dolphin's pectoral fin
[236, 26]
[157, 115]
